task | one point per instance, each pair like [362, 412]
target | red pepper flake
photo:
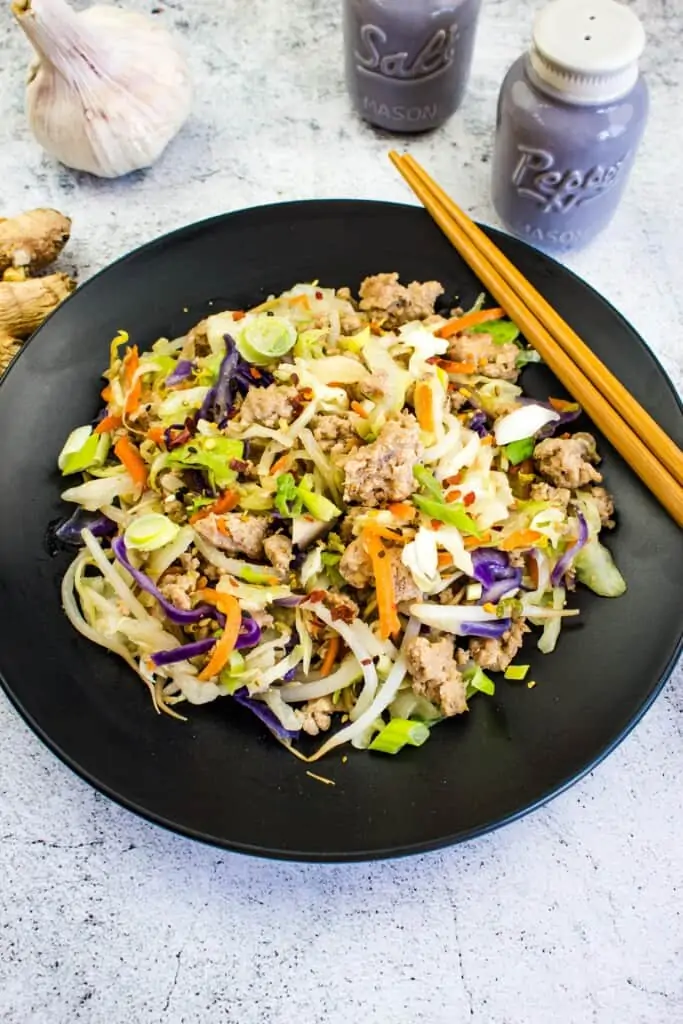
[469, 498]
[317, 595]
[366, 661]
[436, 524]
[256, 374]
[451, 481]
[319, 295]
[452, 496]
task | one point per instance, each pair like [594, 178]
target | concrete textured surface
[572, 915]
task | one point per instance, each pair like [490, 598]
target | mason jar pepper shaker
[408, 61]
[571, 113]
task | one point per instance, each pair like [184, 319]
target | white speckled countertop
[571, 916]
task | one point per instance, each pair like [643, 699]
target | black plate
[219, 777]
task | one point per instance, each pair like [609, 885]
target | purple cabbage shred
[262, 711]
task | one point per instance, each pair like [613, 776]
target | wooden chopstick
[649, 432]
[580, 385]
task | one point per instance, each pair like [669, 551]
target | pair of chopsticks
[650, 452]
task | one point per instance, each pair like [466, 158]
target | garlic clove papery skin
[109, 88]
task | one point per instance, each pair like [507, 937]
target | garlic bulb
[109, 89]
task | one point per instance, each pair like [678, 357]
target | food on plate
[341, 513]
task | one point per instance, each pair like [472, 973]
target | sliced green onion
[517, 672]
[236, 663]
[478, 682]
[398, 733]
[151, 531]
[262, 577]
[518, 451]
[83, 449]
[428, 482]
[264, 338]
[453, 515]
[320, 507]
[73, 445]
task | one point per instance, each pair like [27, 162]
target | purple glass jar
[408, 61]
[571, 114]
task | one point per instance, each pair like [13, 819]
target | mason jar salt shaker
[408, 61]
[571, 113]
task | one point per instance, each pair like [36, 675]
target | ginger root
[27, 243]
[8, 349]
[25, 304]
[33, 239]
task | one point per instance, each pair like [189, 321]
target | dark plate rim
[336, 857]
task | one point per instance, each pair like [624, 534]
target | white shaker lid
[587, 50]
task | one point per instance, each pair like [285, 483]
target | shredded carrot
[155, 434]
[222, 528]
[225, 503]
[560, 405]
[520, 539]
[106, 394]
[331, 655]
[358, 408]
[424, 406]
[130, 457]
[487, 440]
[280, 464]
[299, 300]
[476, 542]
[450, 367]
[389, 622]
[238, 314]
[402, 510]
[230, 607]
[386, 532]
[107, 424]
[461, 323]
[444, 559]
[131, 363]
